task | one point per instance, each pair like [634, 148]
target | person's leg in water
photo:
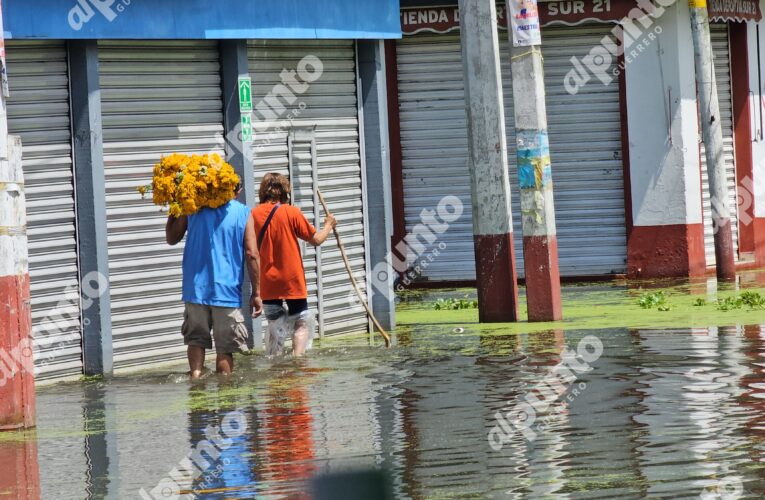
[196, 357]
[224, 364]
[197, 323]
[298, 309]
[300, 337]
[230, 335]
[277, 326]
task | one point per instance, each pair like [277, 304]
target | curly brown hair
[274, 188]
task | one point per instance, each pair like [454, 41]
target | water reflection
[19, 469]
[660, 413]
[99, 425]
[689, 392]
[285, 435]
[222, 459]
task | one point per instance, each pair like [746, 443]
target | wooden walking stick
[350, 274]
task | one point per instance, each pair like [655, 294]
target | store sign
[524, 23]
[734, 10]
[245, 93]
[566, 12]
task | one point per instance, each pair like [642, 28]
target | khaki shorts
[226, 323]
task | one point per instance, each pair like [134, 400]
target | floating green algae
[603, 306]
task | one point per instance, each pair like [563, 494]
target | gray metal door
[38, 111]
[158, 98]
[586, 152]
[721, 51]
[329, 106]
[434, 146]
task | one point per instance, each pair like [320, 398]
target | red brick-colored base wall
[673, 251]
[17, 396]
[758, 225]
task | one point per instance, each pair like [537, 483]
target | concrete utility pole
[17, 393]
[17, 390]
[540, 243]
[711, 128]
[490, 185]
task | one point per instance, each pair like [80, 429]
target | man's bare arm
[253, 265]
[175, 229]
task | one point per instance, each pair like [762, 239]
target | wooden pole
[353, 279]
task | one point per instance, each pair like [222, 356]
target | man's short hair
[274, 188]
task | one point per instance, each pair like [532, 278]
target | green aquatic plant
[729, 303]
[750, 299]
[452, 304]
[754, 300]
[658, 300]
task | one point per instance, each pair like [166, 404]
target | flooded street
[660, 413]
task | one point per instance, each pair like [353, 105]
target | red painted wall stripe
[17, 397]
[742, 134]
[394, 139]
[676, 250]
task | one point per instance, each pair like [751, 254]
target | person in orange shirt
[278, 226]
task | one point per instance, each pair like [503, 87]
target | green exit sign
[246, 127]
[245, 93]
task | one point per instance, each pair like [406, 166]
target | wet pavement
[625, 413]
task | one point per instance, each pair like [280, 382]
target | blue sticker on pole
[533, 154]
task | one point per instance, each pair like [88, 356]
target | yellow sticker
[697, 4]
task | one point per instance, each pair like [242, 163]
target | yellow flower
[186, 184]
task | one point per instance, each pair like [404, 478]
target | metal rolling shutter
[38, 111]
[587, 163]
[157, 98]
[330, 107]
[721, 50]
[434, 145]
[586, 155]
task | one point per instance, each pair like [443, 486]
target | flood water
[660, 414]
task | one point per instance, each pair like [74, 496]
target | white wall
[756, 101]
[661, 97]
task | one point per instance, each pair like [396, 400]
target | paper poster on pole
[524, 21]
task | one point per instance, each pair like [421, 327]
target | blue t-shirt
[213, 260]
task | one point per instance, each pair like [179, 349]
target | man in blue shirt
[218, 243]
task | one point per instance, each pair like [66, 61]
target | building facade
[99, 93]
[631, 193]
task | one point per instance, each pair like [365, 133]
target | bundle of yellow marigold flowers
[186, 183]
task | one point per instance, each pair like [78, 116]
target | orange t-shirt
[282, 275]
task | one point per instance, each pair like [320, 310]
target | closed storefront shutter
[585, 142]
[329, 105]
[721, 50]
[38, 111]
[434, 145]
[157, 98]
